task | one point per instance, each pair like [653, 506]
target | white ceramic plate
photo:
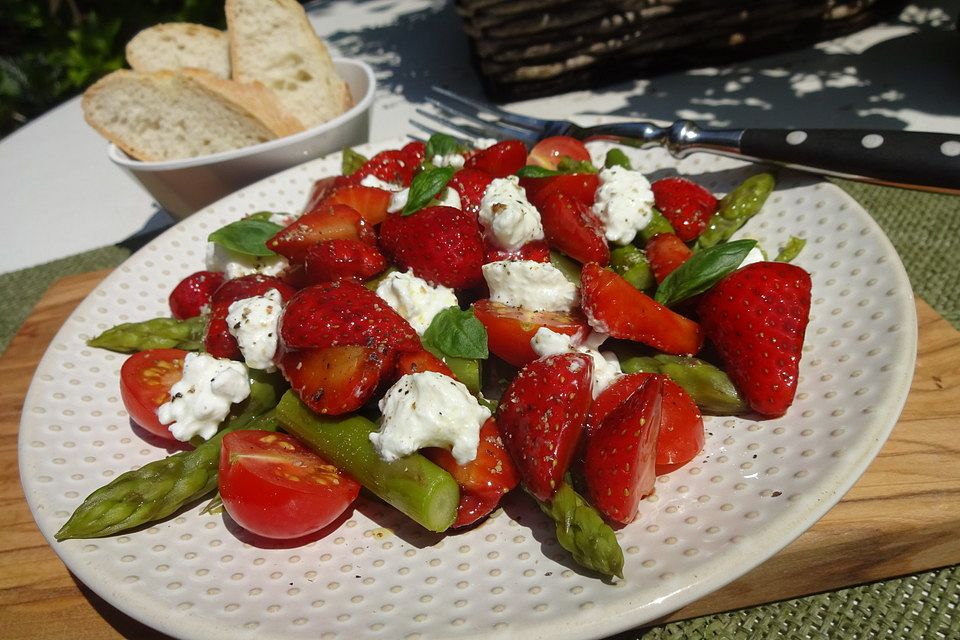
[755, 487]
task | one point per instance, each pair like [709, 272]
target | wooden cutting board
[903, 516]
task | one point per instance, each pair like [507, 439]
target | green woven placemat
[925, 229]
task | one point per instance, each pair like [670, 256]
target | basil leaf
[351, 162]
[702, 271]
[536, 171]
[247, 237]
[791, 250]
[425, 186]
[457, 334]
[441, 144]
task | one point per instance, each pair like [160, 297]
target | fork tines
[476, 119]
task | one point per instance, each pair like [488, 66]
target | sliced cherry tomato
[550, 151]
[571, 227]
[581, 186]
[510, 329]
[275, 487]
[145, 381]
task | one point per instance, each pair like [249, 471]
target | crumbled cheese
[624, 203]
[535, 286]
[454, 160]
[201, 399]
[253, 322]
[415, 299]
[508, 218]
[606, 367]
[235, 265]
[370, 180]
[484, 143]
[755, 255]
[429, 410]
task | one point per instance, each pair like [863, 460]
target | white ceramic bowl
[183, 187]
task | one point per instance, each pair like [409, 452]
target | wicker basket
[530, 48]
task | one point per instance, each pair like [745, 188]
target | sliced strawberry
[613, 306]
[756, 318]
[510, 329]
[218, 341]
[484, 479]
[442, 245]
[580, 186]
[370, 202]
[681, 434]
[342, 259]
[500, 160]
[666, 252]
[335, 380]
[343, 313]
[193, 293]
[420, 361]
[323, 223]
[390, 166]
[620, 461]
[322, 188]
[470, 185]
[535, 251]
[414, 152]
[687, 205]
[571, 227]
[541, 416]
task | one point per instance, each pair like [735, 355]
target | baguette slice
[170, 115]
[178, 45]
[272, 41]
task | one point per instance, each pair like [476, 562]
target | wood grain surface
[903, 515]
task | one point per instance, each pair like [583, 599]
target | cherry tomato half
[548, 152]
[510, 329]
[145, 381]
[275, 487]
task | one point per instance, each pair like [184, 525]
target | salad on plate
[444, 325]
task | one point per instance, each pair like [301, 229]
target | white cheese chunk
[253, 322]
[429, 410]
[415, 299]
[535, 286]
[373, 181]
[201, 399]
[755, 255]
[624, 203]
[235, 265]
[454, 160]
[508, 218]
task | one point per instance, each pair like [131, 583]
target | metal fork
[911, 159]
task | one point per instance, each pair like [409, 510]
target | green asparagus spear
[631, 263]
[735, 209]
[710, 387]
[657, 224]
[616, 158]
[568, 267]
[412, 484]
[467, 371]
[582, 531]
[791, 250]
[160, 488]
[158, 333]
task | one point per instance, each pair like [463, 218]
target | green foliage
[51, 50]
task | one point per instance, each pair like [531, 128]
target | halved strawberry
[335, 380]
[342, 259]
[470, 185]
[510, 329]
[484, 479]
[666, 252]
[535, 251]
[370, 202]
[218, 341]
[541, 416]
[193, 293]
[322, 188]
[343, 313]
[681, 434]
[442, 245]
[503, 159]
[613, 306]
[756, 318]
[323, 223]
[392, 165]
[580, 186]
[687, 205]
[414, 151]
[571, 227]
[620, 461]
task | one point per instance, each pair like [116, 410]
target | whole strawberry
[442, 245]
[756, 318]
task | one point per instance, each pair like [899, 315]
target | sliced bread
[272, 41]
[177, 45]
[167, 115]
